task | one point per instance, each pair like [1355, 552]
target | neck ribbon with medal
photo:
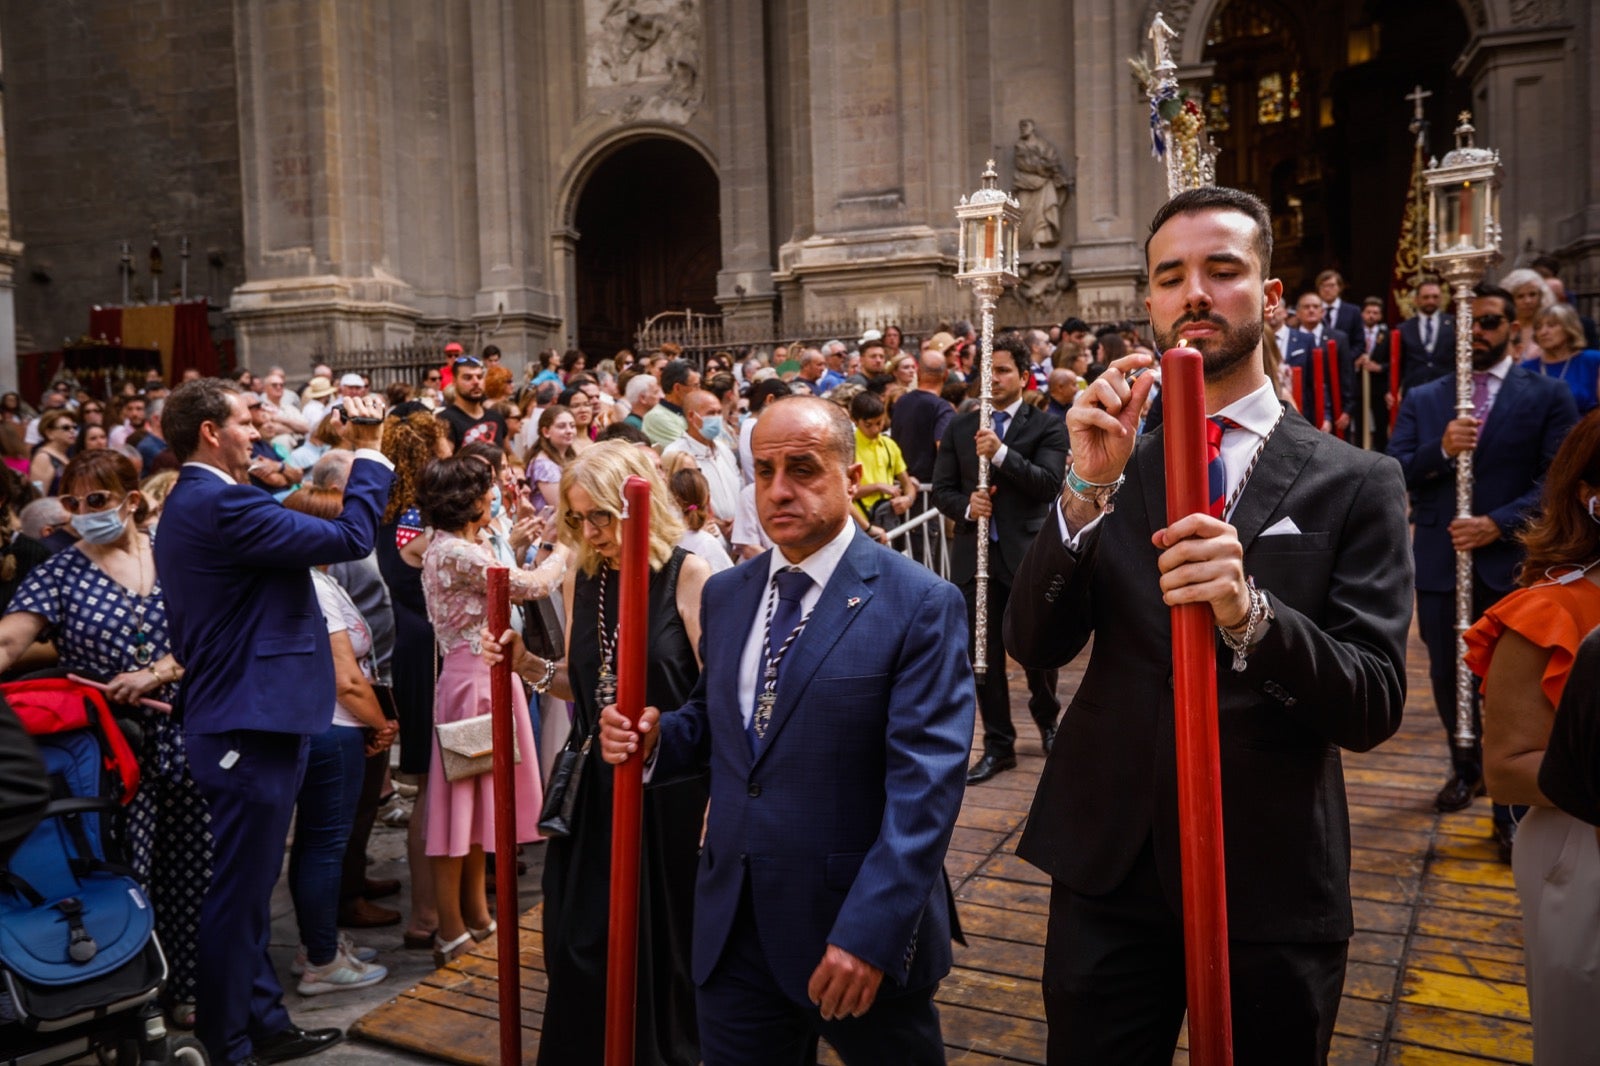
[605, 689]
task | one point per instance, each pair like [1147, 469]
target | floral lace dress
[454, 583]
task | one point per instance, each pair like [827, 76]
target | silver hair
[333, 470]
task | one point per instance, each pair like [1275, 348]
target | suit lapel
[1152, 459]
[745, 603]
[848, 591]
[1286, 452]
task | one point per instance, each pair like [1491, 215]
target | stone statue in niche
[1040, 185]
[644, 58]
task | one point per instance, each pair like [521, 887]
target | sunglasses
[597, 519]
[93, 410]
[434, 377]
[1489, 322]
[465, 360]
[98, 500]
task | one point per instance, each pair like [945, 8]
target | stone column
[1522, 90]
[514, 307]
[1115, 170]
[312, 107]
[738, 50]
[10, 256]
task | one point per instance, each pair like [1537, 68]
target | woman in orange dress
[1523, 647]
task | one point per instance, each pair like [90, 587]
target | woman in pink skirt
[455, 497]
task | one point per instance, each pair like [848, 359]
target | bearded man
[1302, 561]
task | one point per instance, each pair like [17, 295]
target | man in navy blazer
[1427, 339]
[258, 682]
[1522, 421]
[821, 906]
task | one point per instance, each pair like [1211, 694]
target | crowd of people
[302, 575]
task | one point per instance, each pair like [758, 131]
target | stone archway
[648, 240]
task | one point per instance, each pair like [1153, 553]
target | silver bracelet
[542, 685]
[1093, 493]
[1260, 611]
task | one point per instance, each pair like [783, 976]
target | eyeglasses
[98, 500]
[255, 407]
[434, 377]
[93, 410]
[597, 519]
[1489, 322]
[465, 360]
[62, 425]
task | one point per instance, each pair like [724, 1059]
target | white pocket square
[1281, 528]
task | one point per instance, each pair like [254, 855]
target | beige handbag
[466, 748]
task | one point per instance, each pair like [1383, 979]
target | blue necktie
[1427, 332]
[792, 584]
[1000, 419]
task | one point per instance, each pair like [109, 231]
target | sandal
[444, 953]
[480, 935]
[420, 941]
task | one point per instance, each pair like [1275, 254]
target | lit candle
[988, 239]
[1466, 212]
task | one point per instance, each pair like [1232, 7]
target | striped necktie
[1216, 479]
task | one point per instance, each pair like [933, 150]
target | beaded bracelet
[1092, 493]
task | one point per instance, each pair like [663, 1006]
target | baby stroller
[80, 967]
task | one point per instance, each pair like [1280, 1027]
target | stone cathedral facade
[543, 173]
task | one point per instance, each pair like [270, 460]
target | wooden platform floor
[1435, 975]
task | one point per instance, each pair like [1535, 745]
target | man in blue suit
[1520, 421]
[258, 683]
[821, 906]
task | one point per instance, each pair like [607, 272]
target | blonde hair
[601, 471]
[1568, 320]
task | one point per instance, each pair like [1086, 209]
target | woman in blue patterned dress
[100, 601]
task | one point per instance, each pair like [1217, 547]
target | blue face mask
[494, 503]
[711, 426]
[100, 527]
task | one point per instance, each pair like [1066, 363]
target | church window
[1269, 98]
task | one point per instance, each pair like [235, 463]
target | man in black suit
[1027, 452]
[1308, 579]
[1369, 359]
[1337, 312]
[1522, 419]
[1427, 339]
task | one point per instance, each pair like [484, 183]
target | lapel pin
[853, 601]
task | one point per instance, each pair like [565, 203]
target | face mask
[1593, 501]
[100, 527]
[711, 426]
[494, 503]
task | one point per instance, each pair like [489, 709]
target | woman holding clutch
[455, 496]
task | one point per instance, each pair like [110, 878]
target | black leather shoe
[295, 1043]
[1505, 835]
[1457, 794]
[1047, 737]
[988, 766]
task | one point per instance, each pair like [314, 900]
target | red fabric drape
[105, 325]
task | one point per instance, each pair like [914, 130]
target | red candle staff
[1297, 377]
[1333, 374]
[633, 606]
[1394, 377]
[1194, 678]
[1318, 395]
[505, 825]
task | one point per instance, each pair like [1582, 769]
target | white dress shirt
[1001, 452]
[721, 471]
[819, 566]
[1255, 415]
[361, 453]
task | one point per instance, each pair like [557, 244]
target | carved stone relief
[644, 58]
[1040, 185]
[1530, 13]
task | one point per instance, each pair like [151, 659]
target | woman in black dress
[412, 437]
[577, 869]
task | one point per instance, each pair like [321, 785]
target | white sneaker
[301, 963]
[340, 975]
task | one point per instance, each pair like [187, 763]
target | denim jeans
[324, 812]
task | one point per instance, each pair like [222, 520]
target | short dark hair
[450, 492]
[490, 349]
[1372, 301]
[866, 405]
[495, 457]
[1485, 290]
[1542, 263]
[765, 391]
[190, 406]
[676, 373]
[103, 468]
[1075, 325]
[1012, 345]
[1217, 198]
[625, 431]
[570, 357]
